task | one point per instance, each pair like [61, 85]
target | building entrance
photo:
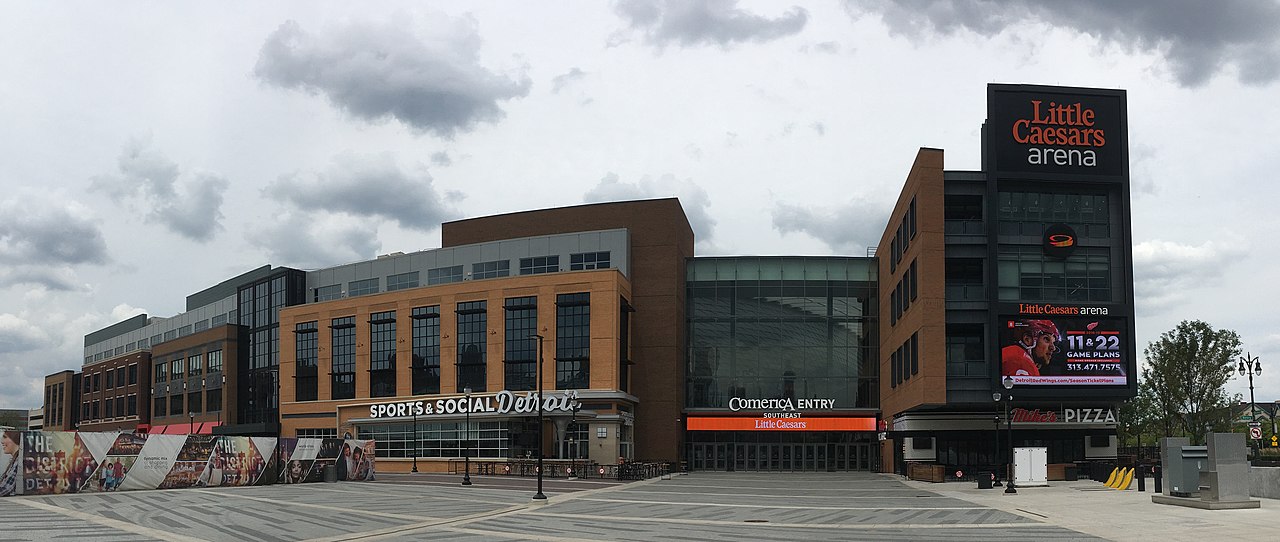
[840, 455]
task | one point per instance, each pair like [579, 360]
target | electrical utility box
[1031, 466]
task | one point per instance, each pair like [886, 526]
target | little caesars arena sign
[1059, 130]
[504, 402]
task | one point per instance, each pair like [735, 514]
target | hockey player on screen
[1034, 343]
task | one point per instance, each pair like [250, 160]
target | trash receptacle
[984, 480]
[330, 473]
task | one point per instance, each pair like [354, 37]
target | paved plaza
[699, 506]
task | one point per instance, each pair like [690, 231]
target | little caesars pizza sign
[503, 402]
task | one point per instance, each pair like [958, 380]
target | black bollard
[1156, 475]
[1142, 477]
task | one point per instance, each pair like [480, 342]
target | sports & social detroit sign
[1057, 130]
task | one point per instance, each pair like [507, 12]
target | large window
[520, 352]
[490, 270]
[306, 342]
[343, 349]
[1027, 274]
[215, 360]
[382, 354]
[195, 365]
[1027, 213]
[402, 281]
[539, 265]
[573, 341]
[491, 439]
[194, 403]
[362, 287]
[157, 409]
[175, 405]
[426, 350]
[472, 325]
[965, 278]
[213, 400]
[326, 293]
[444, 275]
[782, 328]
[589, 260]
[966, 354]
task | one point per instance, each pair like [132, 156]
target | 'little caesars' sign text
[1058, 130]
[504, 402]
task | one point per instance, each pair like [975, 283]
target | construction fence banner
[58, 462]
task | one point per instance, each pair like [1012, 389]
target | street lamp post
[466, 465]
[539, 496]
[415, 438]
[1008, 385]
[995, 482]
[1250, 366]
[191, 427]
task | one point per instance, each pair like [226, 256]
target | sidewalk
[1092, 508]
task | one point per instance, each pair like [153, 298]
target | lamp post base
[466, 479]
[1010, 488]
[539, 498]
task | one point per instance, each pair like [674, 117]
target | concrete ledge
[1205, 505]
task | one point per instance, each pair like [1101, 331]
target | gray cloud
[56, 278]
[1166, 273]
[192, 208]
[563, 80]
[432, 83]
[1197, 39]
[705, 22]
[36, 230]
[367, 186]
[847, 230]
[19, 335]
[314, 240]
[693, 199]
[441, 158]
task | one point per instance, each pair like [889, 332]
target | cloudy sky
[151, 149]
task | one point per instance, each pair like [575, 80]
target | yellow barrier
[1128, 480]
[1112, 479]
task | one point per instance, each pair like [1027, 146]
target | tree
[1187, 369]
[1140, 416]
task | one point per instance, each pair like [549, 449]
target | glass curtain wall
[782, 328]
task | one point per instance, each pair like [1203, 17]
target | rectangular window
[1025, 273]
[156, 339]
[200, 326]
[624, 343]
[966, 350]
[490, 270]
[539, 265]
[402, 281]
[175, 405]
[573, 341]
[218, 320]
[444, 275]
[213, 400]
[131, 405]
[520, 352]
[472, 338]
[177, 367]
[589, 260]
[162, 372]
[194, 401]
[915, 286]
[171, 335]
[110, 408]
[215, 360]
[915, 354]
[382, 354]
[426, 350]
[158, 409]
[133, 374]
[195, 365]
[362, 287]
[327, 293]
[184, 331]
[111, 379]
[306, 343]
[328, 432]
[97, 382]
[965, 279]
[343, 349]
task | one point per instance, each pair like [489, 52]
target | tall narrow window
[343, 348]
[382, 354]
[215, 360]
[624, 344]
[305, 346]
[520, 354]
[426, 350]
[472, 323]
[573, 341]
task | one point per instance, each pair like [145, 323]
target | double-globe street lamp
[539, 496]
[1250, 366]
